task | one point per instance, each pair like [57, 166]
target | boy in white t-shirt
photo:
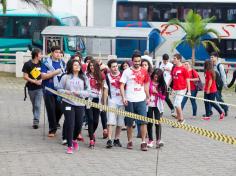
[112, 94]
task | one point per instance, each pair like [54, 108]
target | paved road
[24, 151]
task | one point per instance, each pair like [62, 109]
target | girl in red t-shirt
[210, 90]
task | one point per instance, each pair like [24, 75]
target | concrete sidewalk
[24, 151]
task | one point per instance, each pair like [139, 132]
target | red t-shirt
[179, 77]
[208, 77]
[192, 74]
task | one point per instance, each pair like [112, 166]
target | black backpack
[219, 81]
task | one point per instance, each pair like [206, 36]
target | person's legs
[184, 101]
[217, 107]
[177, 103]
[79, 114]
[129, 121]
[220, 99]
[90, 122]
[140, 109]
[149, 125]
[58, 110]
[193, 102]
[50, 108]
[207, 104]
[169, 103]
[69, 113]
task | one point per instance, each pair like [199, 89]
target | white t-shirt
[135, 81]
[115, 89]
[167, 74]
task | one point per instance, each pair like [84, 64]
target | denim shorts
[137, 108]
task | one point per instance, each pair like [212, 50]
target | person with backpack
[32, 74]
[166, 67]
[52, 69]
[221, 80]
[112, 98]
[210, 91]
[193, 77]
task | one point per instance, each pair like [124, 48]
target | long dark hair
[97, 73]
[69, 70]
[149, 66]
[161, 81]
[122, 65]
[208, 66]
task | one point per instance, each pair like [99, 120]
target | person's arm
[122, 92]
[233, 79]
[146, 89]
[105, 96]
[34, 81]
[50, 74]
[62, 85]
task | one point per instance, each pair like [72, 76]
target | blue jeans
[137, 108]
[208, 105]
[193, 102]
[35, 98]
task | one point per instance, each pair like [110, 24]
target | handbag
[198, 84]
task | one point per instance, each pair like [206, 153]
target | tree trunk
[193, 56]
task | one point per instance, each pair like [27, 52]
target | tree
[36, 3]
[195, 28]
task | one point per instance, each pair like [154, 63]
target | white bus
[156, 13]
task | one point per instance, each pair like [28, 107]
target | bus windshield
[70, 21]
[23, 27]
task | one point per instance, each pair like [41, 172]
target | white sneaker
[64, 142]
[150, 144]
[159, 144]
[182, 122]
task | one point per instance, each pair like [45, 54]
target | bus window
[70, 21]
[231, 15]
[75, 44]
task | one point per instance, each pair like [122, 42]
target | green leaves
[46, 4]
[195, 28]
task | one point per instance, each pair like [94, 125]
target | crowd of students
[136, 86]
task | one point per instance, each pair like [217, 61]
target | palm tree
[195, 28]
[36, 3]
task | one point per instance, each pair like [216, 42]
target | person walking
[52, 69]
[135, 97]
[193, 76]
[112, 98]
[157, 91]
[32, 74]
[96, 81]
[73, 83]
[166, 67]
[219, 68]
[210, 91]
[181, 85]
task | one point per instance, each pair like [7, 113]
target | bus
[156, 13]
[20, 30]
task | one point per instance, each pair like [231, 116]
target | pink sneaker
[69, 150]
[91, 144]
[222, 116]
[75, 145]
[206, 118]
